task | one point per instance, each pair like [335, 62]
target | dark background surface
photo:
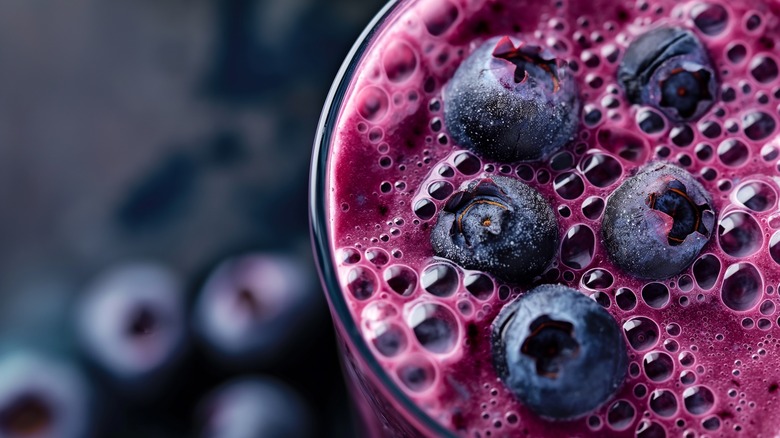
[172, 130]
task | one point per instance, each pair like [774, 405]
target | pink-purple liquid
[703, 346]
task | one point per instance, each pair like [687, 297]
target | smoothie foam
[703, 345]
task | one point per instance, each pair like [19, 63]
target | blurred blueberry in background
[154, 159]
[254, 407]
[42, 397]
[257, 308]
[131, 323]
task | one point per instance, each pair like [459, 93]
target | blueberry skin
[639, 233]
[559, 352]
[668, 68]
[499, 225]
[252, 407]
[503, 107]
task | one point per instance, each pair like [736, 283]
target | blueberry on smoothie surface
[656, 223]
[498, 225]
[511, 101]
[668, 68]
[559, 352]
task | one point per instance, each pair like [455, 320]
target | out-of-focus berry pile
[155, 269]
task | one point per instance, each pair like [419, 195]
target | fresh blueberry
[131, 323]
[511, 101]
[499, 225]
[254, 407]
[559, 352]
[42, 397]
[254, 307]
[668, 68]
[657, 222]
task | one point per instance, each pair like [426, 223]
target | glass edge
[319, 228]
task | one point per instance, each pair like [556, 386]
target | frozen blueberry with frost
[657, 222]
[559, 352]
[42, 397]
[253, 307]
[511, 101]
[131, 323]
[669, 69]
[254, 407]
[499, 225]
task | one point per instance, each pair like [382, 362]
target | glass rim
[318, 223]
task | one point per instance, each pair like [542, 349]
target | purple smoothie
[702, 345]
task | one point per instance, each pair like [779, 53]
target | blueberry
[131, 324]
[255, 307]
[42, 397]
[254, 407]
[499, 225]
[668, 68]
[657, 222]
[511, 102]
[559, 352]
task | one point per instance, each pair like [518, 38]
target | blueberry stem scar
[701, 77]
[550, 343]
[472, 204]
[521, 55]
[686, 215]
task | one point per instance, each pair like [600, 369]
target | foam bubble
[438, 16]
[479, 285]
[399, 61]
[467, 163]
[758, 196]
[624, 144]
[739, 235]
[361, 282]
[655, 295]
[758, 125]
[663, 402]
[401, 279]
[625, 299]
[417, 374]
[377, 256]
[658, 366]
[742, 287]
[348, 256]
[597, 278]
[434, 326]
[651, 429]
[389, 339]
[733, 152]
[774, 247]
[601, 170]
[621, 414]
[698, 400]
[578, 246]
[641, 333]
[568, 185]
[440, 279]
[763, 68]
[440, 190]
[706, 271]
[373, 103]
